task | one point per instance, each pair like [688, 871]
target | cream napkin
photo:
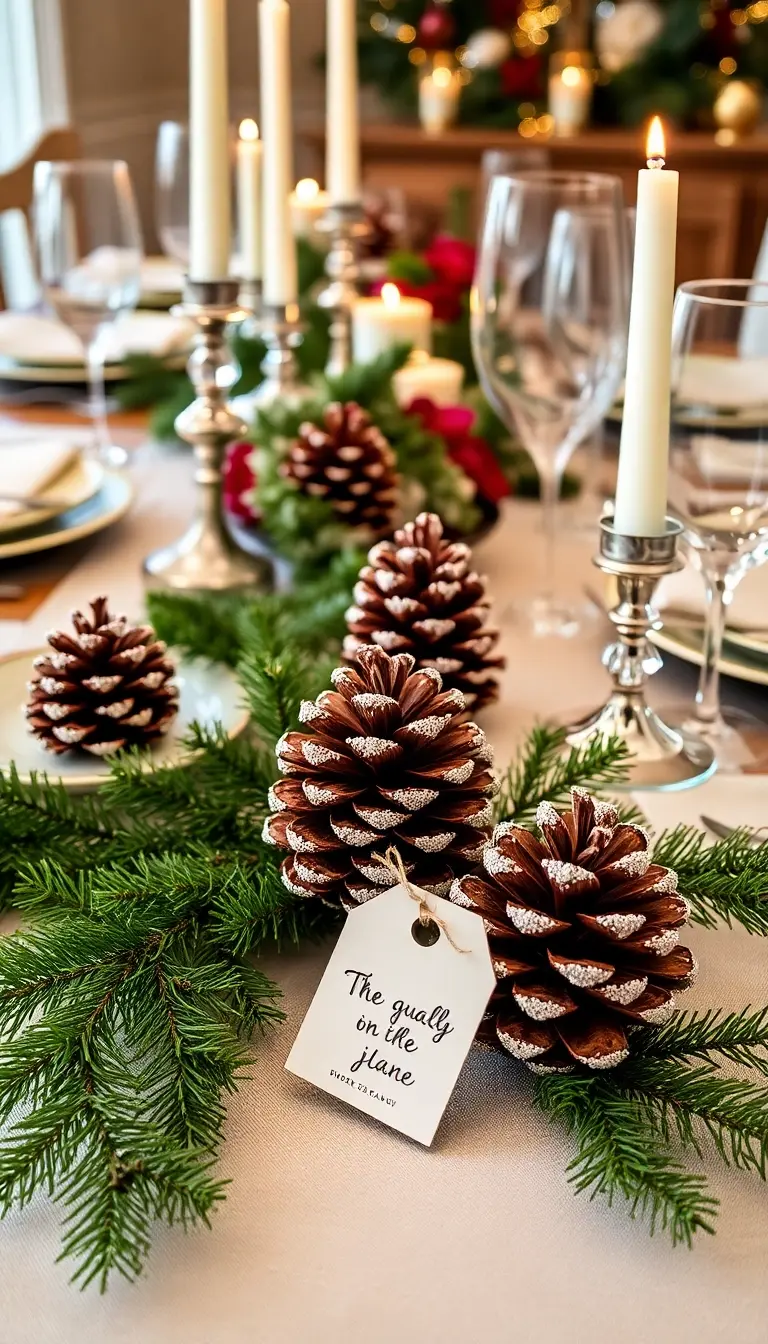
[728, 384]
[30, 339]
[29, 467]
[724, 461]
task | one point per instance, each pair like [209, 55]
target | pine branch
[682, 1103]
[620, 1153]
[542, 772]
[727, 880]
[741, 1038]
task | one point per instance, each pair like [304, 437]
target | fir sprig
[543, 771]
[727, 880]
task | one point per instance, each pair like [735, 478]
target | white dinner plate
[102, 510]
[209, 694]
[78, 483]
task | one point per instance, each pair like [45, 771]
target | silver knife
[724, 832]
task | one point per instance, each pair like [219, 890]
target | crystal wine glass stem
[97, 398]
[550, 493]
[719, 594]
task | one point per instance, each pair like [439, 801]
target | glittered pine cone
[386, 758]
[419, 595]
[348, 462]
[583, 931]
[103, 688]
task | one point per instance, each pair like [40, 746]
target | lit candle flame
[655, 146]
[307, 189]
[248, 129]
[390, 295]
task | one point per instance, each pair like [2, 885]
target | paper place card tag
[393, 1020]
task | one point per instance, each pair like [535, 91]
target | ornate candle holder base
[206, 557]
[282, 333]
[661, 757]
[346, 225]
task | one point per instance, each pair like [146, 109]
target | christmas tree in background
[669, 56]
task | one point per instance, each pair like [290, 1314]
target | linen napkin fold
[728, 384]
[29, 467]
[686, 591]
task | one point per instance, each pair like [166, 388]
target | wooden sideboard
[723, 189]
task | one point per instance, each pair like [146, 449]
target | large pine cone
[418, 595]
[106, 687]
[583, 931]
[386, 759]
[348, 462]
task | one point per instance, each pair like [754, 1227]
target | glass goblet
[172, 190]
[719, 475]
[549, 328]
[89, 250]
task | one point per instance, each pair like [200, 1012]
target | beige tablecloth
[337, 1229]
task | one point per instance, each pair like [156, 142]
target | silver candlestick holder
[346, 226]
[660, 757]
[282, 331]
[206, 557]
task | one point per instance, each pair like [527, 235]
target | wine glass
[719, 474]
[549, 328]
[172, 190]
[89, 250]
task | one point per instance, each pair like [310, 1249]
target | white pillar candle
[570, 99]
[378, 324]
[442, 380]
[249, 154]
[308, 205]
[343, 119]
[209, 178]
[641, 491]
[439, 94]
[279, 251]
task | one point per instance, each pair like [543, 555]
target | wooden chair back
[16, 184]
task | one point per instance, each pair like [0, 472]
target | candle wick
[656, 162]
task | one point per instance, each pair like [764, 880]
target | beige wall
[127, 62]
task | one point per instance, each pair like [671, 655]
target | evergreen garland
[129, 996]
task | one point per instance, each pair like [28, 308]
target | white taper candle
[209, 175]
[641, 491]
[249, 155]
[343, 120]
[278, 252]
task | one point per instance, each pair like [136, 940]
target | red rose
[474, 455]
[521, 77]
[452, 260]
[239, 481]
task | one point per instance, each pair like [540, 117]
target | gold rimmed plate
[105, 508]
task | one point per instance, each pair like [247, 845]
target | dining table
[337, 1228]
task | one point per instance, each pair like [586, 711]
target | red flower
[521, 77]
[474, 455]
[452, 260]
[239, 481]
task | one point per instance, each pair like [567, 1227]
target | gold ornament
[737, 110]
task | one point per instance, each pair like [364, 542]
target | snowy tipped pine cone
[346, 461]
[583, 931]
[419, 595]
[103, 688]
[385, 758]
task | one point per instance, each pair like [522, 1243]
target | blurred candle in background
[308, 205]
[442, 380]
[641, 490]
[343, 121]
[210, 213]
[439, 93]
[380, 323]
[279, 250]
[249, 155]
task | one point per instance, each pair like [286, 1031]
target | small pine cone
[418, 595]
[105, 687]
[583, 931]
[348, 462]
[386, 758]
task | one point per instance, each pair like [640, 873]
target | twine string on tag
[394, 865]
